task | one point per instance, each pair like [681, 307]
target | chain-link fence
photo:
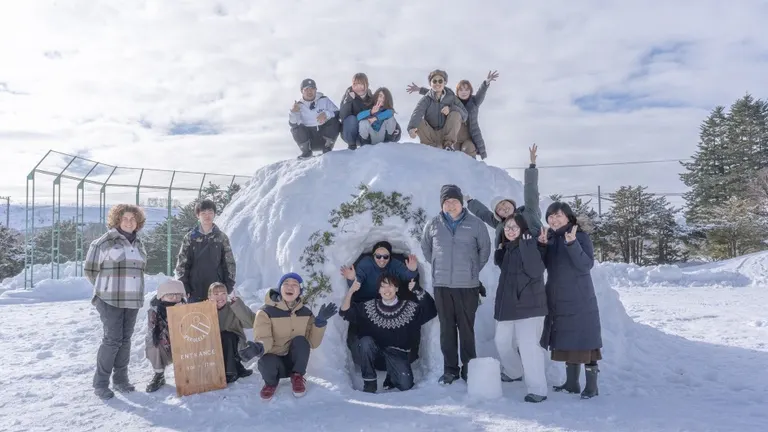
[69, 197]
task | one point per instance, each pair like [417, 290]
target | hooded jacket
[204, 259]
[309, 110]
[429, 108]
[277, 324]
[234, 317]
[353, 106]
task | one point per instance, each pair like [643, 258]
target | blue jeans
[393, 360]
[349, 130]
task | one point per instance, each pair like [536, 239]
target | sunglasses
[382, 257]
[437, 81]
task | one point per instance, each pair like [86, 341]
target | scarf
[131, 237]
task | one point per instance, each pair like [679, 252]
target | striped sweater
[115, 267]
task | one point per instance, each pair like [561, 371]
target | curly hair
[116, 214]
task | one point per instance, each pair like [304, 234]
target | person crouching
[385, 327]
[158, 342]
[234, 317]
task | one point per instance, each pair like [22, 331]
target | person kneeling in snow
[234, 317]
[284, 332]
[385, 327]
[158, 342]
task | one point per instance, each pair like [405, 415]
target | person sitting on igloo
[385, 326]
[378, 124]
[284, 332]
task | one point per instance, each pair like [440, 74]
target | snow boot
[590, 389]
[306, 150]
[329, 143]
[242, 371]
[157, 381]
[447, 379]
[464, 373]
[104, 393]
[125, 387]
[388, 383]
[530, 397]
[232, 378]
[267, 392]
[572, 379]
[298, 385]
[370, 386]
[505, 378]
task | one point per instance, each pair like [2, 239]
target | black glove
[483, 293]
[325, 313]
[448, 148]
[253, 349]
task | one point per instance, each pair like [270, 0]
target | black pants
[232, 365]
[274, 367]
[456, 308]
[415, 346]
[393, 360]
[315, 138]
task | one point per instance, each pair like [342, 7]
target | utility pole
[7, 210]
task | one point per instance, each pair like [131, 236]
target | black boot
[590, 390]
[306, 150]
[157, 381]
[370, 386]
[242, 371]
[572, 381]
[505, 378]
[388, 383]
[447, 378]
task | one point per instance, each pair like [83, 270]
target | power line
[603, 164]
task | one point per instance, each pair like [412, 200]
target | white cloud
[115, 77]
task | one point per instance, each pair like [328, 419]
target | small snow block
[483, 378]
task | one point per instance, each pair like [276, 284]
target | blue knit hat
[291, 276]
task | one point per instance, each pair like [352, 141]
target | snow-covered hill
[651, 380]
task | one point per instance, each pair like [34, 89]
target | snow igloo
[272, 224]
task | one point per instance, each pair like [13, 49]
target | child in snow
[158, 342]
[521, 307]
[284, 332]
[234, 317]
[378, 123]
[385, 327]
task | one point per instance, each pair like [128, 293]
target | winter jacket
[473, 108]
[157, 325]
[456, 254]
[234, 317]
[380, 117]
[352, 106]
[368, 273]
[530, 211]
[203, 260]
[392, 326]
[115, 267]
[573, 323]
[276, 325]
[520, 293]
[309, 110]
[429, 109]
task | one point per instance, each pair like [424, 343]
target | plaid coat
[115, 267]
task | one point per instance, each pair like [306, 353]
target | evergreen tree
[736, 229]
[11, 252]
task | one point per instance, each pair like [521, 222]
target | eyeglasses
[514, 228]
[381, 257]
[437, 81]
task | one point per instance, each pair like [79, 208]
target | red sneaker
[267, 392]
[297, 383]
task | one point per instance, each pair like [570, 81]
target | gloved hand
[483, 293]
[253, 349]
[448, 148]
[325, 313]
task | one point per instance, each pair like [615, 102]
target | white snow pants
[523, 335]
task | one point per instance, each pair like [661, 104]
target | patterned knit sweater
[392, 326]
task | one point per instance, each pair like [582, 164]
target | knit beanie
[171, 286]
[451, 191]
[291, 276]
[382, 244]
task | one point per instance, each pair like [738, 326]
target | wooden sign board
[198, 361]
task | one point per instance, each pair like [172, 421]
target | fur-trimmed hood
[496, 201]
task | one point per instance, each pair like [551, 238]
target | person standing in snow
[378, 123]
[572, 330]
[284, 332]
[503, 207]
[313, 120]
[205, 256]
[385, 329]
[234, 317]
[521, 307]
[367, 273]
[356, 98]
[158, 340]
[457, 245]
[439, 114]
[470, 138]
[115, 265]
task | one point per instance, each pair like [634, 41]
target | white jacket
[307, 116]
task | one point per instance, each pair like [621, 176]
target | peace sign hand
[492, 75]
[570, 236]
[543, 236]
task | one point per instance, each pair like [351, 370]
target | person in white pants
[521, 307]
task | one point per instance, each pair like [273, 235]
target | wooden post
[198, 361]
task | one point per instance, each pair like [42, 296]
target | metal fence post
[170, 224]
